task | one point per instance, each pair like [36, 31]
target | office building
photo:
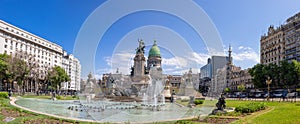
[15, 41]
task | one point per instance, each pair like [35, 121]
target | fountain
[148, 105]
[137, 98]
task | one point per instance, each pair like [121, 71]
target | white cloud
[108, 60]
[244, 48]
[199, 58]
[240, 47]
[120, 60]
[99, 72]
[177, 62]
[245, 54]
[180, 65]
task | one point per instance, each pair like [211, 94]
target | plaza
[149, 62]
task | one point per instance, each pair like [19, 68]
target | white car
[292, 94]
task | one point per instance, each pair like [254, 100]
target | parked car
[258, 94]
[265, 95]
[277, 93]
[291, 95]
[243, 95]
[232, 96]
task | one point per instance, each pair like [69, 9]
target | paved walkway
[13, 100]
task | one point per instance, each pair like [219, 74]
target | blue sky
[239, 23]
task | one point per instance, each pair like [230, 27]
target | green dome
[154, 51]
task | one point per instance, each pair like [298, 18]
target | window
[5, 46]
[6, 40]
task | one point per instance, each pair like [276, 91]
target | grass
[186, 103]
[67, 98]
[283, 113]
[37, 97]
[181, 102]
[277, 112]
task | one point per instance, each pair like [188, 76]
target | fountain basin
[107, 111]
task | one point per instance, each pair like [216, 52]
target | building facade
[292, 38]
[223, 74]
[238, 77]
[209, 73]
[206, 70]
[46, 54]
[272, 46]
[175, 81]
[281, 43]
[73, 69]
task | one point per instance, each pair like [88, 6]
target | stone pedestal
[191, 102]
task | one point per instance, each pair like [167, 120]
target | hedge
[251, 107]
[4, 95]
[197, 102]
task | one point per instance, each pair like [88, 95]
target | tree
[226, 90]
[3, 68]
[272, 71]
[241, 87]
[283, 76]
[56, 76]
[21, 71]
[294, 74]
[258, 74]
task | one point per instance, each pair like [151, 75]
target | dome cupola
[154, 51]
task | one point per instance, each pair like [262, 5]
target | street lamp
[268, 82]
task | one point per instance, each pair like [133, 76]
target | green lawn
[277, 112]
[37, 97]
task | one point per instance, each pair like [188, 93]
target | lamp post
[268, 82]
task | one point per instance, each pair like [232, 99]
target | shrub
[3, 95]
[75, 97]
[197, 102]
[251, 107]
[4, 102]
[58, 97]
